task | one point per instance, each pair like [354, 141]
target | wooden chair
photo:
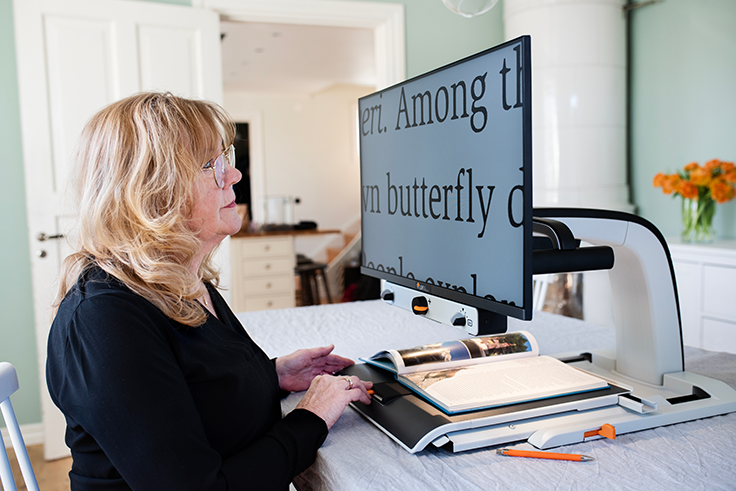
[309, 273]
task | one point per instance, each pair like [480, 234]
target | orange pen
[543, 455]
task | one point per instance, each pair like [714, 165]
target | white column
[578, 99]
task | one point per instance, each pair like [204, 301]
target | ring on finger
[350, 382]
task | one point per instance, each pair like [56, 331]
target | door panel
[177, 48]
[74, 57]
[78, 85]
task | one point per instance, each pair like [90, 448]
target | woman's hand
[297, 370]
[328, 395]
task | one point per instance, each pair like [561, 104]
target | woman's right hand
[328, 396]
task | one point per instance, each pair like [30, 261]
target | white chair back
[8, 385]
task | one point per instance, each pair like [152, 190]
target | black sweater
[153, 404]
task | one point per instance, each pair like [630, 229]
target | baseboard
[32, 434]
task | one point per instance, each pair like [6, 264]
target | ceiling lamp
[470, 8]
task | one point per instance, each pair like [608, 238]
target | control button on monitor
[419, 305]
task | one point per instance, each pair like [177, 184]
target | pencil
[544, 455]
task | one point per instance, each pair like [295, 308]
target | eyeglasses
[219, 165]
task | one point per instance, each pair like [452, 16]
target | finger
[359, 389]
[332, 363]
[321, 351]
[343, 381]
[330, 367]
[353, 382]
[363, 395]
[338, 360]
[365, 387]
[333, 367]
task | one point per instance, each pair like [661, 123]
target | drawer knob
[267, 248]
[267, 266]
[268, 285]
[269, 304]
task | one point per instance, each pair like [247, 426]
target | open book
[482, 372]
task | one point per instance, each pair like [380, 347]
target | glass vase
[697, 220]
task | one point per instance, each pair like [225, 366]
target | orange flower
[675, 182]
[669, 183]
[691, 166]
[701, 176]
[712, 164]
[688, 190]
[714, 180]
[727, 167]
[722, 191]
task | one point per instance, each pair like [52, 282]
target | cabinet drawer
[283, 301]
[269, 284]
[265, 247]
[688, 291]
[719, 335]
[718, 288]
[268, 266]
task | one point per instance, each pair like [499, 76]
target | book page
[388, 360]
[501, 383]
[464, 352]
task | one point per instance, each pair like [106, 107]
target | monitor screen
[445, 165]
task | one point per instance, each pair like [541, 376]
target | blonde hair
[136, 165]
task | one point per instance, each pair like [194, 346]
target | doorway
[242, 163]
[386, 21]
[277, 72]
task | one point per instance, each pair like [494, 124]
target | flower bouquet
[700, 187]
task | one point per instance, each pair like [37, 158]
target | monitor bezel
[523, 312]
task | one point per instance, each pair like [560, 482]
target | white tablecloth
[357, 456]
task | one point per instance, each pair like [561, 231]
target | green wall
[435, 36]
[683, 100]
[17, 333]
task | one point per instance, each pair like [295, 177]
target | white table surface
[694, 455]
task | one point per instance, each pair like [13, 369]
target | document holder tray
[413, 422]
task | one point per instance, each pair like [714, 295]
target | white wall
[310, 151]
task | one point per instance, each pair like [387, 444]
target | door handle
[41, 237]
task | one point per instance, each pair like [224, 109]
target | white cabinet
[706, 285]
[262, 272]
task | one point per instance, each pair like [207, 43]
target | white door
[74, 57]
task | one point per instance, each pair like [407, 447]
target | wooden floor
[51, 476]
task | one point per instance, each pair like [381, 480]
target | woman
[160, 385]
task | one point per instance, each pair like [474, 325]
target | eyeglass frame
[227, 155]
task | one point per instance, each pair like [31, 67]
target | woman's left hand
[297, 370]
